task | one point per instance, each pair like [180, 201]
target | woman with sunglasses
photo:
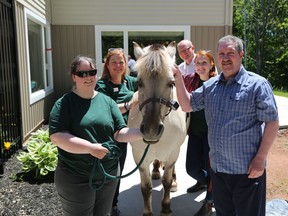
[83, 124]
[197, 156]
[116, 84]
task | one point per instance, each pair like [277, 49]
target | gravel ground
[27, 197]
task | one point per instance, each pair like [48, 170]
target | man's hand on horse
[176, 71]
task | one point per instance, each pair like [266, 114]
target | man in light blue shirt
[242, 120]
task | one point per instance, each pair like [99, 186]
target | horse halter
[172, 105]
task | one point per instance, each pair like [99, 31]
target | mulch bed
[21, 194]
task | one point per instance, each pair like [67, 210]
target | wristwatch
[127, 106]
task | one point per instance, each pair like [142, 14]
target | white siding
[34, 115]
[142, 12]
[40, 7]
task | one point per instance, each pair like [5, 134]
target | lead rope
[114, 152]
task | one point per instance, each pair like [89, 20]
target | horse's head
[155, 87]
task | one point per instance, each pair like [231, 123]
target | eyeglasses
[86, 73]
[184, 50]
[112, 49]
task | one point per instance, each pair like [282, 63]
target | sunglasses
[86, 73]
[112, 49]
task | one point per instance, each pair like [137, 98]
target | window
[39, 57]
[123, 36]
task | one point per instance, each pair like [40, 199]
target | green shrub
[41, 156]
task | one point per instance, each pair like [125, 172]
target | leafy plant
[41, 156]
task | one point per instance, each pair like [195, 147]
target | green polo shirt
[119, 93]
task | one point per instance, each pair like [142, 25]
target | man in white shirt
[186, 51]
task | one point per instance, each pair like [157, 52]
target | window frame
[186, 29]
[47, 69]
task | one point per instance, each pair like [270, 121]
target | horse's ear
[171, 49]
[138, 52]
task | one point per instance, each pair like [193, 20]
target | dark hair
[207, 54]
[237, 41]
[77, 61]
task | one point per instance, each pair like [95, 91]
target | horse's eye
[171, 84]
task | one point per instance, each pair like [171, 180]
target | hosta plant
[41, 155]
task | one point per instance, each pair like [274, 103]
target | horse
[163, 125]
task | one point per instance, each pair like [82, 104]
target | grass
[280, 93]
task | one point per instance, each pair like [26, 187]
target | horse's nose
[152, 133]
[142, 128]
[160, 130]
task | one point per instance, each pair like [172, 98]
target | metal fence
[10, 110]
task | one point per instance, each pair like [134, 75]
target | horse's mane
[155, 62]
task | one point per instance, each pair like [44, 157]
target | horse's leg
[167, 183]
[174, 186]
[155, 172]
[146, 188]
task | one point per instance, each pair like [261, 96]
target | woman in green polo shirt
[116, 84]
[80, 123]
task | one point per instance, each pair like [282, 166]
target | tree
[263, 26]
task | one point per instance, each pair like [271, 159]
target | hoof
[156, 175]
[174, 187]
[166, 213]
[147, 214]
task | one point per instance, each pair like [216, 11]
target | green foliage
[41, 156]
[263, 25]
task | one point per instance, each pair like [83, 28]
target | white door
[123, 36]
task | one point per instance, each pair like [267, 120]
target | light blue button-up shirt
[235, 111]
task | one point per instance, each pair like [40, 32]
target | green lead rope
[114, 152]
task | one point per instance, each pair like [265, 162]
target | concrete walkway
[182, 203]
[282, 104]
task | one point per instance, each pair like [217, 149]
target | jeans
[197, 161]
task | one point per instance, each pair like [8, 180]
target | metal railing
[10, 121]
